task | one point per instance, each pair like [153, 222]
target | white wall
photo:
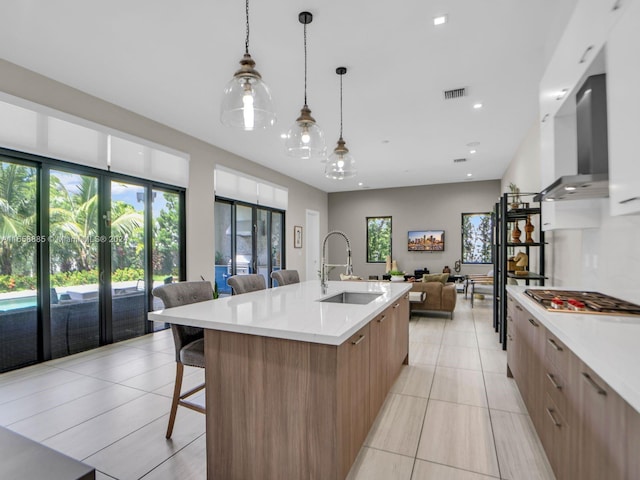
[23, 83]
[427, 207]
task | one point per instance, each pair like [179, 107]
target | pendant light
[305, 139]
[340, 164]
[246, 103]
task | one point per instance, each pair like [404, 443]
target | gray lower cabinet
[587, 430]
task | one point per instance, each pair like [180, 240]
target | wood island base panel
[285, 409]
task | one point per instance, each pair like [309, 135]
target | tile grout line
[493, 435]
[415, 457]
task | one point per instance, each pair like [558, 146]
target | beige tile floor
[451, 415]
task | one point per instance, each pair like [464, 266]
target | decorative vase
[446, 269]
[528, 230]
[515, 234]
[397, 278]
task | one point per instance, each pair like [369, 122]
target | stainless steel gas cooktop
[583, 302]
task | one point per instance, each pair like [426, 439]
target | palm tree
[17, 215]
[74, 216]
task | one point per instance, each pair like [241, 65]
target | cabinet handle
[547, 223]
[355, 342]
[509, 337]
[553, 381]
[584, 55]
[554, 344]
[406, 296]
[553, 419]
[533, 323]
[632, 199]
[597, 387]
[396, 305]
[381, 319]
[519, 307]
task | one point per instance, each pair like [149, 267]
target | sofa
[439, 297]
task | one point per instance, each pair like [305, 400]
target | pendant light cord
[340, 106]
[305, 64]
[246, 41]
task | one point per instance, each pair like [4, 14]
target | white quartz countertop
[608, 344]
[291, 312]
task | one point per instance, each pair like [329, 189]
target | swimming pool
[20, 302]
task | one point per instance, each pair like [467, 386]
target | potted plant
[396, 276]
[515, 191]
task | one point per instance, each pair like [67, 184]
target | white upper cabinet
[623, 97]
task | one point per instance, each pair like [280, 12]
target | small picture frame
[297, 236]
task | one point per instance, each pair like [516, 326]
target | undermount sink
[358, 298]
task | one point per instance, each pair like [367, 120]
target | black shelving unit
[515, 209]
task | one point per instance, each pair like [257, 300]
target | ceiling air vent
[455, 93]
[459, 160]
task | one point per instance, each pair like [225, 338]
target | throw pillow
[436, 277]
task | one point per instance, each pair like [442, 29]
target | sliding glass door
[73, 262]
[127, 240]
[80, 252]
[18, 264]
[249, 239]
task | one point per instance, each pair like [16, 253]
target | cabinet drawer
[555, 437]
[556, 387]
[557, 354]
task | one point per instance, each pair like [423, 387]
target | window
[477, 238]
[378, 239]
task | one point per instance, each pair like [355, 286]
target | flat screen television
[426, 241]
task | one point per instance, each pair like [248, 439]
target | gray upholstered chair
[285, 277]
[189, 341]
[246, 283]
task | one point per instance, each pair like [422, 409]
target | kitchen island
[293, 383]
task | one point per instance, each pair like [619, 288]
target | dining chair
[246, 283]
[285, 277]
[188, 341]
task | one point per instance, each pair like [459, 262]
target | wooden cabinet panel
[402, 333]
[353, 397]
[633, 442]
[601, 429]
[555, 436]
[380, 366]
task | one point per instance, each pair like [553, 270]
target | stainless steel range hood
[592, 178]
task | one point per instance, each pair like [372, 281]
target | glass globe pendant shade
[305, 139]
[247, 103]
[341, 164]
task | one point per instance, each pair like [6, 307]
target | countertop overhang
[291, 312]
[608, 344]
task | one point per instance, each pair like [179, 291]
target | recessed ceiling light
[360, 184]
[469, 174]
[440, 20]
[548, 199]
[569, 188]
[472, 151]
[283, 135]
[560, 95]
[477, 105]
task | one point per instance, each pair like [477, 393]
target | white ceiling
[169, 60]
